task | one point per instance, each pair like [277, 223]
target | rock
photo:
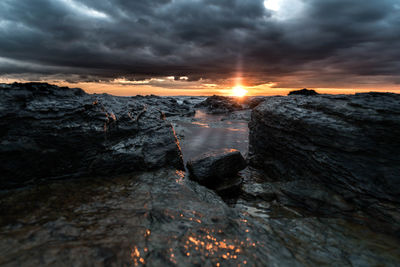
[304, 91]
[241, 115]
[168, 105]
[348, 144]
[49, 132]
[220, 104]
[216, 168]
[264, 191]
[255, 101]
[155, 218]
[160, 219]
[312, 197]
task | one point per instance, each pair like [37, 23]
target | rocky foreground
[333, 154]
[322, 188]
[51, 133]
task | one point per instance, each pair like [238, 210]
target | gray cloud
[211, 39]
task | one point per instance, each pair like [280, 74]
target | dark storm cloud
[91, 39]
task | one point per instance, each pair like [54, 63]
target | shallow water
[209, 132]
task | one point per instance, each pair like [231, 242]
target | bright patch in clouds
[285, 9]
[84, 10]
[272, 4]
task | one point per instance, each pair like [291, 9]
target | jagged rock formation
[50, 132]
[346, 144]
[168, 105]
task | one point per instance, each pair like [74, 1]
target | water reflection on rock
[162, 218]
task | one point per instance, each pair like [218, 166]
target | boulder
[348, 144]
[304, 91]
[216, 168]
[50, 132]
[220, 104]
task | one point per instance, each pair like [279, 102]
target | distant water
[208, 132]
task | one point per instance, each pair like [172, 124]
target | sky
[202, 47]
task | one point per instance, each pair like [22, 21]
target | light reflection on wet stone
[208, 132]
[180, 175]
[151, 219]
[136, 256]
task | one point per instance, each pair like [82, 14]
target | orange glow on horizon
[259, 90]
[205, 89]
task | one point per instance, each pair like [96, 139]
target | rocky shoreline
[334, 154]
[321, 188]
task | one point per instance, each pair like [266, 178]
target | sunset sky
[202, 47]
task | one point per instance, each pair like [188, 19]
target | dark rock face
[214, 169]
[255, 101]
[168, 105]
[304, 91]
[347, 145]
[220, 104]
[50, 132]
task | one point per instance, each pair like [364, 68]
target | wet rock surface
[163, 218]
[216, 168]
[48, 132]
[334, 154]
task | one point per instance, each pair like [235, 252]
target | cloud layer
[318, 43]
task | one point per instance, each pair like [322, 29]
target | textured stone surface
[163, 219]
[170, 106]
[49, 132]
[346, 144]
[255, 101]
[215, 168]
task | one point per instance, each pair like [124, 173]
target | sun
[274, 5]
[239, 91]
